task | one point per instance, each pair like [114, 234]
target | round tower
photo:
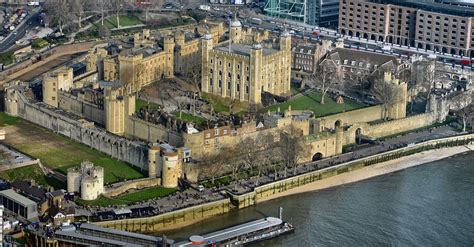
[98, 173]
[152, 152]
[73, 180]
[90, 189]
[235, 30]
[170, 174]
[114, 112]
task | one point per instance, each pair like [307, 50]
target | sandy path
[375, 170]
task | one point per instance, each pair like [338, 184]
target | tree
[58, 12]
[292, 147]
[266, 156]
[326, 75]
[78, 8]
[213, 164]
[117, 6]
[104, 31]
[151, 4]
[385, 93]
[247, 152]
[102, 6]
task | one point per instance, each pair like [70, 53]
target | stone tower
[285, 47]
[153, 151]
[397, 109]
[206, 48]
[171, 169]
[61, 79]
[256, 57]
[339, 139]
[168, 47]
[179, 38]
[235, 31]
[130, 68]
[119, 105]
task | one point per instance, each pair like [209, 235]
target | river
[427, 205]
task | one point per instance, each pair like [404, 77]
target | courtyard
[311, 101]
[59, 153]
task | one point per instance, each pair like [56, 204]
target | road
[29, 23]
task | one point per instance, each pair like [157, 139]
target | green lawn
[222, 181]
[311, 102]
[139, 103]
[32, 172]
[189, 118]
[125, 21]
[39, 44]
[60, 153]
[147, 194]
[7, 120]
[142, 195]
[221, 104]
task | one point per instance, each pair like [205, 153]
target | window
[208, 135]
[216, 132]
[225, 132]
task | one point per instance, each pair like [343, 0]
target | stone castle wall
[150, 132]
[399, 125]
[134, 153]
[81, 108]
[362, 115]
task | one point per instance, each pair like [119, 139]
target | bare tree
[292, 147]
[58, 12]
[385, 93]
[326, 75]
[79, 7]
[102, 6]
[265, 158]
[247, 152]
[213, 164]
[117, 6]
[151, 5]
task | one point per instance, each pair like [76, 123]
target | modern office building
[322, 12]
[448, 28]
[313, 12]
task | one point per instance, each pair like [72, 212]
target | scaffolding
[294, 10]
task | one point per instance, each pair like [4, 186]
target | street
[30, 23]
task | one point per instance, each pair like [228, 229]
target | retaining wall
[135, 184]
[158, 222]
[270, 189]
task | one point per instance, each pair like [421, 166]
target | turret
[285, 41]
[235, 30]
[206, 48]
[179, 38]
[168, 47]
[153, 151]
[118, 106]
[256, 57]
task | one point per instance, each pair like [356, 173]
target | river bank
[375, 170]
[356, 175]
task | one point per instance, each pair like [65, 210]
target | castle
[87, 179]
[242, 68]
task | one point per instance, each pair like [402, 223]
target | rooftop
[17, 197]
[244, 49]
